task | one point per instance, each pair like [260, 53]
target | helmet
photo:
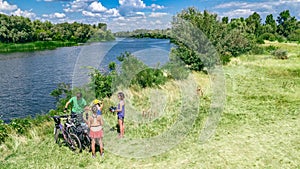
[96, 101]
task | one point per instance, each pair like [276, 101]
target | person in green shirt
[78, 105]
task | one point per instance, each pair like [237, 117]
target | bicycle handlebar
[61, 116]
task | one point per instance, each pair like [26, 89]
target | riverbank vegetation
[18, 33]
[144, 33]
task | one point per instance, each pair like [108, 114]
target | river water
[27, 78]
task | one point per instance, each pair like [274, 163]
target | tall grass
[32, 46]
[259, 127]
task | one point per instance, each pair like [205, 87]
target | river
[27, 78]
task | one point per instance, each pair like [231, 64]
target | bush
[21, 125]
[135, 72]
[112, 66]
[271, 48]
[280, 38]
[268, 36]
[102, 83]
[260, 40]
[149, 77]
[62, 94]
[176, 70]
[258, 50]
[225, 59]
[280, 54]
[295, 36]
[3, 131]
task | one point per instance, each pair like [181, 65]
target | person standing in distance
[121, 113]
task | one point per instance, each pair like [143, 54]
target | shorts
[120, 117]
[96, 132]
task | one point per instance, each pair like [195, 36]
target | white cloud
[113, 12]
[140, 14]
[97, 7]
[130, 7]
[238, 12]
[158, 22]
[133, 3]
[25, 13]
[157, 14]
[131, 23]
[263, 8]
[87, 13]
[247, 5]
[91, 8]
[54, 15]
[155, 6]
[121, 18]
[5, 6]
[77, 5]
[130, 15]
[230, 5]
[59, 15]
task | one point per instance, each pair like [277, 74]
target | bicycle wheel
[86, 142]
[74, 143]
[72, 129]
[56, 136]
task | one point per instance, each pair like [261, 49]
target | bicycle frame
[67, 136]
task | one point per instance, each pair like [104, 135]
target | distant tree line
[145, 33]
[18, 29]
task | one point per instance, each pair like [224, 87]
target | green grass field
[259, 127]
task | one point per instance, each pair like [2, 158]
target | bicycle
[81, 131]
[61, 131]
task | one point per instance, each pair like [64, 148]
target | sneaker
[93, 156]
[102, 155]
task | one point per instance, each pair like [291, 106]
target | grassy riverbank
[33, 46]
[259, 127]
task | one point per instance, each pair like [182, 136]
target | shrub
[3, 131]
[280, 38]
[258, 50]
[133, 71]
[62, 94]
[271, 48]
[21, 125]
[260, 40]
[225, 59]
[280, 54]
[149, 77]
[295, 36]
[268, 36]
[112, 66]
[176, 71]
[102, 83]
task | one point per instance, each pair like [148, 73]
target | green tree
[201, 36]
[286, 23]
[271, 24]
[225, 20]
[112, 66]
[254, 24]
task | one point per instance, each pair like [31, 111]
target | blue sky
[122, 15]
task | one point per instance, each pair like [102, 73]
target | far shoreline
[7, 48]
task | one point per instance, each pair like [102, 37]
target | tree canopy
[18, 29]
